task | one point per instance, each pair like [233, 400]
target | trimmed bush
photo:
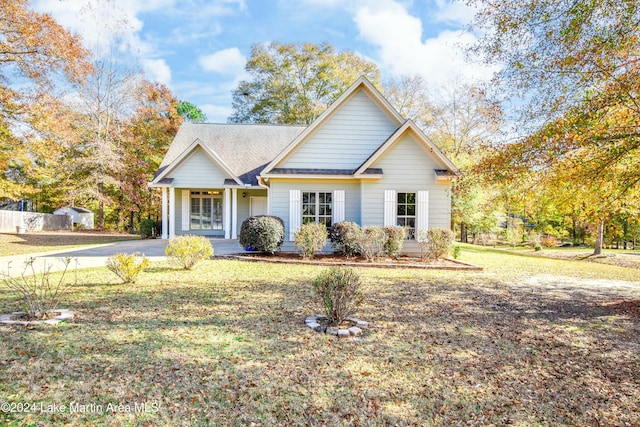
[339, 293]
[186, 251]
[263, 233]
[310, 239]
[344, 238]
[371, 242]
[127, 266]
[394, 240]
[435, 242]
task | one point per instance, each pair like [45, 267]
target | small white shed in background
[82, 217]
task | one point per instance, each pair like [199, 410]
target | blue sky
[198, 48]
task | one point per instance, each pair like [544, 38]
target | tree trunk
[599, 238]
[463, 232]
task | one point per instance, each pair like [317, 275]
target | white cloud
[227, 61]
[157, 70]
[398, 37]
[216, 113]
[455, 12]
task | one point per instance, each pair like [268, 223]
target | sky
[199, 48]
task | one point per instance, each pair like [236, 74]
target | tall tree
[107, 101]
[147, 136]
[464, 125]
[411, 97]
[295, 83]
[575, 62]
[190, 112]
[35, 52]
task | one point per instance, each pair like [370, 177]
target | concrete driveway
[96, 255]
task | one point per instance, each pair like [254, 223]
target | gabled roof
[241, 150]
[361, 84]
[408, 126]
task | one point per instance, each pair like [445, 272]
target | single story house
[359, 161]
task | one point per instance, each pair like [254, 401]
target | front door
[259, 206]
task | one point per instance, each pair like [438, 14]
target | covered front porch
[212, 212]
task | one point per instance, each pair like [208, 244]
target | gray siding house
[359, 161]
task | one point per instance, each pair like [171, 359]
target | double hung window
[406, 213]
[317, 206]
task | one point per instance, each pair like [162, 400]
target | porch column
[227, 213]
[172, 212]
[234, 213]
[164, 213]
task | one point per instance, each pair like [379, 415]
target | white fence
[10, 221]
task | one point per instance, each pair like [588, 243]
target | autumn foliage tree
[37, 52]
[576, 63]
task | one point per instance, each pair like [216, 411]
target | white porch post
[164, 213]
[234, 213]
[172, 212]
[227, 213]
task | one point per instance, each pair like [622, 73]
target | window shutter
[422, 211]
[338, 206]
[389, 207]
[185, 209]
[295, 212]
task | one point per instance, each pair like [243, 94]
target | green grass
[18, 244]
[528, 341]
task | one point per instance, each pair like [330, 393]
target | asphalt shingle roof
[245, 148]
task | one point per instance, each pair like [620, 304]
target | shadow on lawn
[437, 353]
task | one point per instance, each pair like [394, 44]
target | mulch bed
[337, 260]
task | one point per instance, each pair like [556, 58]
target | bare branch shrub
[40, 294]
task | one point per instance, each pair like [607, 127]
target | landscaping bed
[337, 260]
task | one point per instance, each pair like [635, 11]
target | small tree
[187, 251]
[435, 242]
[339, 293]
[310, 239]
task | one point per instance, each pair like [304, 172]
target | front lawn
[527, 341]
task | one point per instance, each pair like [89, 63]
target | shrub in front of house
[187, 251]
[394, 240]
[435, 243]
[310, 239]
[344, 238]
[127, 266]
[339, 292]
[148, 228]
[371, 242]
[262, 233]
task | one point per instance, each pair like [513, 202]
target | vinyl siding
[244, 205]
[407, 167]
[198, 171]
[346, 139]
[280, 197]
